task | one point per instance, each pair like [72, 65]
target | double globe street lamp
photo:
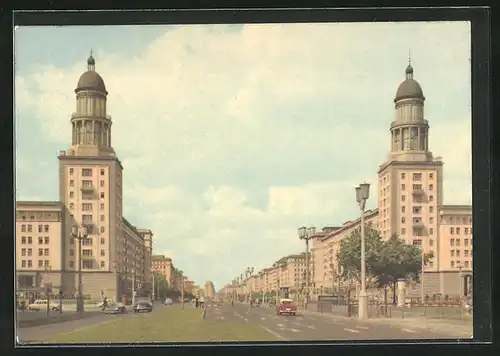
[79, 233]
[307, 234]
[362, 195]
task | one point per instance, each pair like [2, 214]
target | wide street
[316, 326]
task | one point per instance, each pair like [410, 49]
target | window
[431, 242]
[102, 206]
[71, 264]
[87, 219]
[71, 194]
[457, 231]
[102, 228]
[466, 253]
[457, 242]
[403, 175]
[458, 253]
[102, 171]
[87, 206]
[417, 209]
[431, 264]
[23, 228]
[452, 242]
[71, 241]
[431, 231]
[40, 228]
[431, 220]
[466, 242]
[403, 187]
[466, 264]
[466, 231]
[23, 263]
[46, 240]
[103, 241]
[87, 184]
[86, 264]
[452, 264]
[101, 183]
[102, 217]
[32, 217]
[40, 252]
[103, 264]
[40, 263]
[71, 183]
[417, 176]
[403, 209]
[87, 172]
[403, 231]
[87, 241]
[403, 220]
[46, 252]
[87, 252]
[417, 242]
[46, 263]
[30, 228]
[23, 252]
[431, 197]
[452, 230]
[402, 198]
[30, 240]
[40, 240]
[46, 228]
[71, 252]
[431, 176]
[71, 171]
[102, 195]
[30, 263]
[103, 253]
[23, 239]
[71, 206]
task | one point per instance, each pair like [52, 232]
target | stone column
[401, 293]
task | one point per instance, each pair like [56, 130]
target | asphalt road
[39, 333]
[314, 326]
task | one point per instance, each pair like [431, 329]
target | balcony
[87, 188]
[418, 223]
[418, 191]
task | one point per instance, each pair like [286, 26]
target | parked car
[143, 306]
[41, 304]
[286, 306]
[115, 308]
[168, 301]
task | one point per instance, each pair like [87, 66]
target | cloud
[232, 137]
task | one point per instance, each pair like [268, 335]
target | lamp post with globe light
[362, 195]
[307, 234]
[79, 233]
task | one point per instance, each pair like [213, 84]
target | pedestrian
[196, 302]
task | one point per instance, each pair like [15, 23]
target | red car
[286, 306]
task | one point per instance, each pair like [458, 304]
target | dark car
[115, 308]
[143, 306]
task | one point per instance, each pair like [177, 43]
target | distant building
[209, 291]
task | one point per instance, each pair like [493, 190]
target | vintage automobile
[286, 306]
[41, 304]
[115, 308]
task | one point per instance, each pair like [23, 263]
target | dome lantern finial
[409, 69]
[91, 62]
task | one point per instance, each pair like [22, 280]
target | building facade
[163, 265]
[115, 256]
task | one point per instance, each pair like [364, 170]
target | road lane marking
[408, 331]
[281, 325]
[362, 327]
[311, 327]
[295, 323]
[262, 318]
[272, 332]
[351, 330]
[295, 330]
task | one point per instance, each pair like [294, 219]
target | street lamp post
[47, 291]
[153, 292]
[422, 295]
[362, 195]
[306, 234]
[79, 233]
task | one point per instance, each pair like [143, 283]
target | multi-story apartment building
[114, 253]
[164, 265]
[209, 290]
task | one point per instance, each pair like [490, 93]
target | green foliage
[163, 288]
[349, 255]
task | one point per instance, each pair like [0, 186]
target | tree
[349, 255]
[398, 260]
[162, 286]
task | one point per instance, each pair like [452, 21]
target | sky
[233, 136]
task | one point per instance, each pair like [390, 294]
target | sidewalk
[459, 328]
